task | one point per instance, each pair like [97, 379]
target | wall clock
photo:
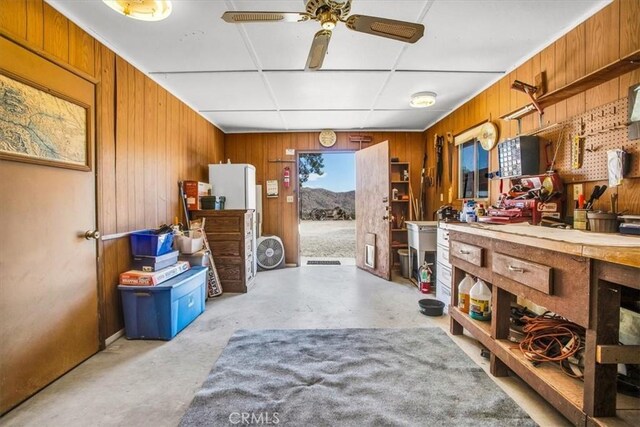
[488, 135]
[327, 138]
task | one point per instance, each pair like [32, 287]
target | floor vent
[323, 262]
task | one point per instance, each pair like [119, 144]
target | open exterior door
[373, 228]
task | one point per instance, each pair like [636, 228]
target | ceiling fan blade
[318, 50]
[389, 28]
[242, 17]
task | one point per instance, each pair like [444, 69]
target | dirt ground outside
[328, 239]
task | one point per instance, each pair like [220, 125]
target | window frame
[476, 181]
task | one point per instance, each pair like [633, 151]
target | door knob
[92, 234]
[385, 218]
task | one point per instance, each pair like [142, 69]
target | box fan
[270, 253]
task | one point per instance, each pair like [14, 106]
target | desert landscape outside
[327, 205]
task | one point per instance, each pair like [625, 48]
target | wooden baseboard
[113, 337]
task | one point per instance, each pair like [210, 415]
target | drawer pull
[463, 252]
[516, 269]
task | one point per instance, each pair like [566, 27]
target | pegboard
[603, 128]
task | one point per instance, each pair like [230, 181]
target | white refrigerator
[237, 183]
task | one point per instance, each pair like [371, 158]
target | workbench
[575, 274]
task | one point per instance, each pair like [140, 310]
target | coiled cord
[552, 338]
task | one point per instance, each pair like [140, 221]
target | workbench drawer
[443, 237]
[466, 252]
[443, 274]
[443, 254]
[531, 274]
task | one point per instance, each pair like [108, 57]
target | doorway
[327, 211]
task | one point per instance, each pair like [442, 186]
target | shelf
[480, 330]
[399, 201]
[399, 246]
[398, 229]
[564, 392]
[591, 80]
[399, 163]
[399, 182]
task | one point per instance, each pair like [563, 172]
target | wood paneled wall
[263, 149]
[147, 139]
[610, 34]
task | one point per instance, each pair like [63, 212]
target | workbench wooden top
[610, 247]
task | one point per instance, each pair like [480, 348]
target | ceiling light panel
[316, 120]
[192, 38]
[237, 121]
[325, 90]
[452, 88]
[490, 35]
[220, 91]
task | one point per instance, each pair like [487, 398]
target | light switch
[577, 190]
[289, 199]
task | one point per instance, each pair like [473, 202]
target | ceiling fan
[328, 13]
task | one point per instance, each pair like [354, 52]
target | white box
[190, 243]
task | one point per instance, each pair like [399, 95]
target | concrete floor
[152, 383]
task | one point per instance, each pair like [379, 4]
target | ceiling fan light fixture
[143, 10]
[423, 99]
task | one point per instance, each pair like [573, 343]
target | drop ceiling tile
[316, 120]
[414, 119]
[347, 50]
[192, 38]
[220, 91]
[325, 90]
[451, 88]
[491, 34]
[246, 121]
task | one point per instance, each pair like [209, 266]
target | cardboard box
[194, 190]
[152, 278]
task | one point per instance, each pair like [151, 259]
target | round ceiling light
[423, 99]
[144, 10]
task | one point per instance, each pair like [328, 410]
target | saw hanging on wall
[329, 13]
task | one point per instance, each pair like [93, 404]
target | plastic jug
[463, 293]
[480, 301]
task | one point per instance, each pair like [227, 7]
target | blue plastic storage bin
[160, 312]
[147, 243]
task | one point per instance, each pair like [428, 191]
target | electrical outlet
[289, 199]
[290, 151]
[577, 191]
[441, 197]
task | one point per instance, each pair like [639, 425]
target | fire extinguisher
[426, 278]
[286, 178]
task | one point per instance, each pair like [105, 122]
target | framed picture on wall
[39, 125]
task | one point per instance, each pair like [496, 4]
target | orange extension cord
[551, 338]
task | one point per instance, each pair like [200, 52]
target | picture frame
[42, 126]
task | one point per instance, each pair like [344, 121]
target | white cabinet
[443, 268]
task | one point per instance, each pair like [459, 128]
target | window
[473, 171]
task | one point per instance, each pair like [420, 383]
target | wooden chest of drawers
[230, 235]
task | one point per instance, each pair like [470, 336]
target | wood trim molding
[23, 43]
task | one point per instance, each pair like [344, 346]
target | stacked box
[154, 263]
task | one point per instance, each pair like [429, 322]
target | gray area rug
[349, 377]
